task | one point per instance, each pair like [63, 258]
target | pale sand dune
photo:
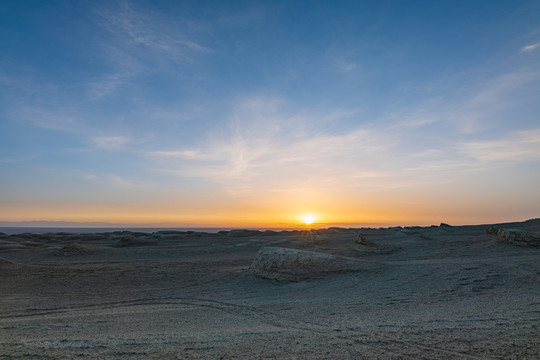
[436, 292]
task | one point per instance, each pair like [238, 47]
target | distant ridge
[95, 224]
[46, 223]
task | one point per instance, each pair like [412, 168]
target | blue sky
[226, 113]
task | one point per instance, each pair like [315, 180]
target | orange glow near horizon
[263, 212]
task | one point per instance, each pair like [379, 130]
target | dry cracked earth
[439, 292]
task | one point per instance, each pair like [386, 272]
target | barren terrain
[439, 292]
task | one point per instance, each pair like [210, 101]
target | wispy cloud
[112, 181]
[493, 98]
[186, 154]
[110, 142]
[346, 66]
[132, 41]
[264, 144]
[106, 85]
[531, 47]
[16, 159]
[120, 181]
[416, 117]
[477, 105]
[517, 146]
[89, 176]
[138, 35]
[65, 120]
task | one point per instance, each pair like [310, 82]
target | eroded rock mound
[365, 246]
[6, 264]
[74, 249]
[361, 239]
[283, 264]
[130, 240]
[445, 227]
[243, 233]
[518, 237]
[490, 230]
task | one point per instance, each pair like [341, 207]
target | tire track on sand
[385, 344]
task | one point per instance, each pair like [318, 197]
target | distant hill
[63, 224]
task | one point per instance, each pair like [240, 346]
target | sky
[256, 113]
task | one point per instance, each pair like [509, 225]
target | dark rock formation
[243, 233]
[409, 231]
[490, 230]
[518, 237]
[129, 240]
[362, 240]
[74, 249]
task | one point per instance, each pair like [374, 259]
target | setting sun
[308, 219]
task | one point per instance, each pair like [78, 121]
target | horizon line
[292, 226]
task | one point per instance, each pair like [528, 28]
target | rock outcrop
[6, 264]
[74, 249]
[283, 264]
[361, 239]
[130, 240]
[243, 233]
[490, 230]
[445, 227]
[363, 245]
[518, 237]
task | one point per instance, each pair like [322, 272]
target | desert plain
[434, 292]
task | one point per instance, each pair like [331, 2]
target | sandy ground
[436, 292]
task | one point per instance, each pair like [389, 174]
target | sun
[308, 219]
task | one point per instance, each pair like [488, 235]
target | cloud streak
[530, 47]
[521, 146]
[159, 37]
[110, 142]
[265, 145]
